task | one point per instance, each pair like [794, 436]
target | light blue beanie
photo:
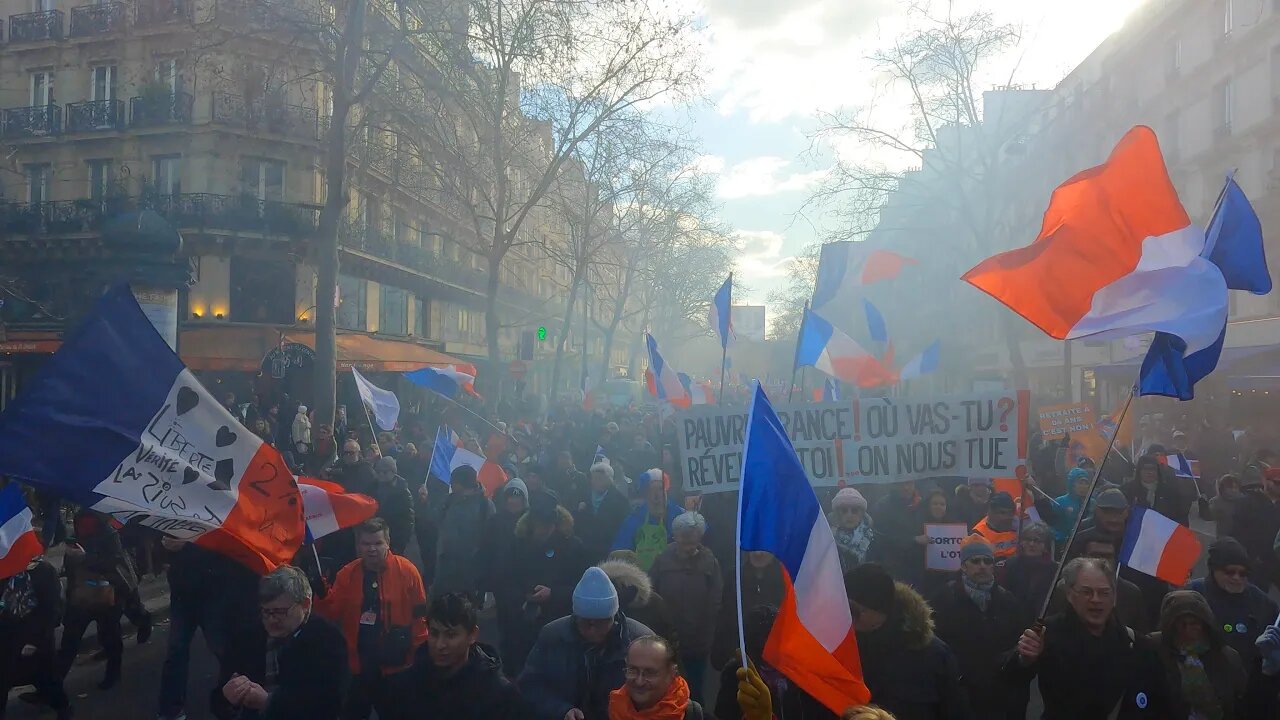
[595, 597]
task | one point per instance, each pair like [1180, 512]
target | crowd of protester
[610, 593]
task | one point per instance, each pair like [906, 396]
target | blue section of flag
[92, 400]
[777, 508]
[442, 455]
[833, 265]
[875, 323]
[1234, 242]
[11, 503]
[815, 333]
[723, 304]
[831, 390]
[435, 381]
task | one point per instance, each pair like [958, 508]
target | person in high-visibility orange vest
[997, 527]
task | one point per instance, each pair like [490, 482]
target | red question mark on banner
[1006, 405]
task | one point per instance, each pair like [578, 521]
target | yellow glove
[753, 696]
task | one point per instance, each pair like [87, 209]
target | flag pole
[1075, 528]
[724, 341]
[373, 430]
[737, 545]
[795, 357]
[724, 357]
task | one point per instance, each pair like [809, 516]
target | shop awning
[243, 347]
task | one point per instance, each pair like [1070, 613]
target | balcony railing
[382, 244]
[34, 121]
[156, 12]
[187, 211]
[36, 26]
[101, 19]
[95, 115]
[377, 156]
[265, 116]
[163, 109]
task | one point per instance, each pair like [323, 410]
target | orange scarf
[670, 707]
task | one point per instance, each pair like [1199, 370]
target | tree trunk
[491, 326]
[326, 367]
[558, 366]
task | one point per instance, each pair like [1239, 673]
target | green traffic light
[542, 333]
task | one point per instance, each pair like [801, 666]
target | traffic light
[542, 332]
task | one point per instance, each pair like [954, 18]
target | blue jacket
[1065, 510]
[626, 537]
[562, 673]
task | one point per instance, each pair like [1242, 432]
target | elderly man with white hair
[689, 573]
[597, 518]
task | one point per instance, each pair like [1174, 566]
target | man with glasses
[652, 680]
[578, 660]
[980, 620]
[1088, 663]
[1131, 609]
[1243, 611]
[306, 661]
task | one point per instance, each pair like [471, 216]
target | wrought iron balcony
[95, 115]
[34, 121]
[189, 211]
[36, 26]
[157, 12]
[160, 109]
[101, 19]
[377, 156]
[266, 117]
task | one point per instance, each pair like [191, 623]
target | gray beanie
[387, 463]
[595, 598]
[974, 547]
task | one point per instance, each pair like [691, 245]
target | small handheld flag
[384, 403]
[722, 312]
[18, 542]
[1159, 547]
[922, 364]
[329, 508]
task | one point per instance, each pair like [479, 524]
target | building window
[41, 5]
[393, 311]
[41, 88]
[464, 321]
[262, 178]
[1222, 107]
[169, 75]
[352, 303]
[262, 291]
[38, 182]
[419, 317]
[102, 83]
[99, 179]
[166, 174]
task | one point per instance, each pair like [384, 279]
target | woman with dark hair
[933, 509]
[789, 701]
[1153, 486]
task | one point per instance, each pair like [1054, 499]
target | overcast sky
[775, 64]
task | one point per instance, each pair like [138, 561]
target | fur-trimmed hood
[628, 575]
[564, 524]
[914, 616]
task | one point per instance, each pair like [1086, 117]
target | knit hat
[1002, 501]
[976, 546]
[1112, 499]
[1076, 475]
[302, 409]
[387, 463]
[644, 478]
[595, 598]
[515, 485]
[1228, 551]
[849, 497]
[542, 506]
[871, 586]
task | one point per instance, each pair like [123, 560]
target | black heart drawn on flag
[187, 399]
[225, 437]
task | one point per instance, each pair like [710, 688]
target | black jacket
[597, 528]
[979, 639]
[894, 545]
[1221, 663]
[1256, 526]
[1170, 501]
[477, 691]
[563, 673]
[313, 674]
[558, 563]
[41, 611]
[1083, 677]
[395, 505]
[1246, 614]
[910, 672]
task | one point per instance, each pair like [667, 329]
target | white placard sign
[943, 550]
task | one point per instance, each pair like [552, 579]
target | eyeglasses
[275, 613]
[1093, 593]
[981, 561]
[647, 674]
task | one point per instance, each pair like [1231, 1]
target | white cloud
[711, 164]
[761, 256]
[762, 176]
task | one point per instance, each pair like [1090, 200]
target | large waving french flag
[115, 422]
[1116, 255]
[845, 266]
[824, 347]
[812, 641]
[328, 508]
[448, 380]
[665, 383]
[18, 542]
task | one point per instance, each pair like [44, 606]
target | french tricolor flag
[922, 364]
[812, 641]
[115, 422]
[18, 542]
[824, 347]
[846, 265]
[664, 381]
[1159, 547]
[328, 508]
[448, 380]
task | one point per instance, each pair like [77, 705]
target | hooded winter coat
[979, 638]
[699, 585]
[1221, 663]
[910, 671]
[638, 600]
[1083, 676]
[477, 691]
[557, 563]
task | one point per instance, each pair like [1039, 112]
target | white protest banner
[873, 440]
[943, 551]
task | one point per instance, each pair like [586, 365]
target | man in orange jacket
[379, 604]
[997, 527]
